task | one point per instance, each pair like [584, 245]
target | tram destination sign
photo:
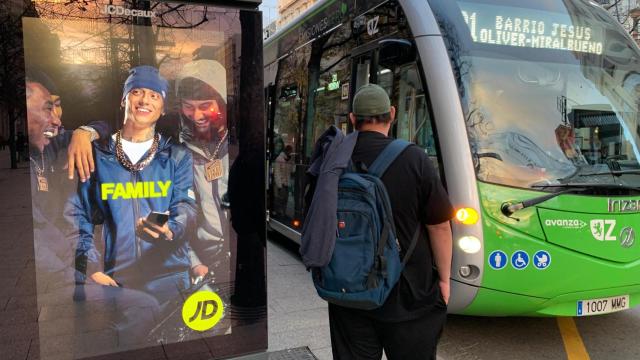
[528, 28]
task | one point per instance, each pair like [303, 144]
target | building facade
[290, 9]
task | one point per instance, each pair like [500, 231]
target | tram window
[286, 124]
[385, 79]
[362, 72]
[330, 107]
[413, 119]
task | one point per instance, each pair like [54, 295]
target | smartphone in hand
[158, 218]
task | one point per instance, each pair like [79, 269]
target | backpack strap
[380, 263]
[387, 156]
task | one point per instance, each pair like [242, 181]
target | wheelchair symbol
[520, 260]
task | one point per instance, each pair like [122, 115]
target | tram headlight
[467, 216]
[469, 244]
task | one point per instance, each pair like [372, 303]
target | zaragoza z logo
[602, 230]
[202, 310]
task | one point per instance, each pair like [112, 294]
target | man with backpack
[408, 319]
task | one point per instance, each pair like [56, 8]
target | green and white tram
[529, 109]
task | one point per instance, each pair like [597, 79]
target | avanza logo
[566, 223]
[122, 11]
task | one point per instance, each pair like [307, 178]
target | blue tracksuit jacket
[116, 198]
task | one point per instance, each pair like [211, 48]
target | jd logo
[202, 310]
[602, 230]
[372, 26]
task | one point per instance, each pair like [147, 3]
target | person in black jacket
[408, 325]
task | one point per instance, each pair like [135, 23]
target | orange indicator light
[296, 223]
[467, 216]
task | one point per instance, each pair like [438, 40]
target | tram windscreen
[549, 90]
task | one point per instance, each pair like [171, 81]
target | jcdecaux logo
[122, 11]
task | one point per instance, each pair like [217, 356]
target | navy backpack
[365, 264]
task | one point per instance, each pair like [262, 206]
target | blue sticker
[519, 260]
[498, 260]
[579, 307]
[541, 260]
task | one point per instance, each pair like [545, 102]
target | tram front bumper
[489, 302]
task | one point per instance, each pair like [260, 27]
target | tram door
[392, 65]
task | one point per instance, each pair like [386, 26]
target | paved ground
[297, 316]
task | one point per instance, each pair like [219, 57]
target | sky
[269, 10]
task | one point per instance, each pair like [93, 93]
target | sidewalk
[18, 307]
[297, 315]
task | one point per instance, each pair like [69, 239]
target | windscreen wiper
[508, 208]
[613, 172]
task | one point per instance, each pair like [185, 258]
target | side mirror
[396, 52]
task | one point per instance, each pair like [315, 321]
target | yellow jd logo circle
[202, 310]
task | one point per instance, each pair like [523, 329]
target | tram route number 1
[602, 306]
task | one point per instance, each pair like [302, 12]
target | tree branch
[608, 7]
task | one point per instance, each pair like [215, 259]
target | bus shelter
[162, 242]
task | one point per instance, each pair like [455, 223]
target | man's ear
[352, 118]
[392, 113]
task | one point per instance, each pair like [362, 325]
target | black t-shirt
[417, 197]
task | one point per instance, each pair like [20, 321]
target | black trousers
[359, 337]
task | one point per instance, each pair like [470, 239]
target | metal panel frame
[458, 166]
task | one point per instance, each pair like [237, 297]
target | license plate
[602, 306]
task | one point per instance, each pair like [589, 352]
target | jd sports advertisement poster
[158, 245]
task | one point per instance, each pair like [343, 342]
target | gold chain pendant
[43, 184]
[213, 170]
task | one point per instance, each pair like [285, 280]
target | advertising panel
[159, 237]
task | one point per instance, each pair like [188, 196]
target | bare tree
[112, 38]
[12, 110]
[622, 11]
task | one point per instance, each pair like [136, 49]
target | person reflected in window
[282, 169]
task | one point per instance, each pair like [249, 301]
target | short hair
[40, 77]
[382, 118]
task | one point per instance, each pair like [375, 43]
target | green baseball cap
[371, 100]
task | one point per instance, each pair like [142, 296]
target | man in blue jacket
[137, 172]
